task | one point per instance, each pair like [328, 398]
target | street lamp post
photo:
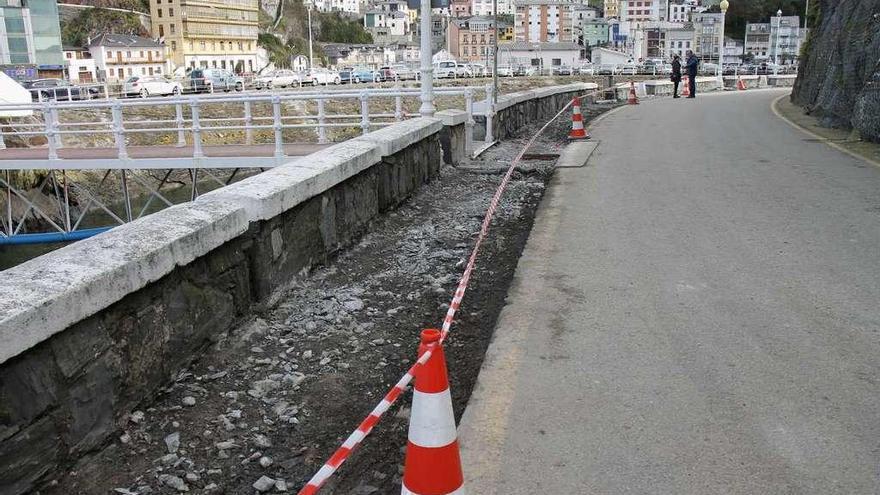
[776, 51]
[311, 61]
[724, 5]
[495, 52]
[427, 84]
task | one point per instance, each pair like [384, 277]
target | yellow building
[611, 8]
[208, 33]
[505, 32]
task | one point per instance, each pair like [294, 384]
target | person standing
[676, 75]
[692, 64]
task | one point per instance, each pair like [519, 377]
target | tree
[93, 22]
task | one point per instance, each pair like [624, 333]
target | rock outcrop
[839, 76]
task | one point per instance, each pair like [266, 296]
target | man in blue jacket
[692, 64]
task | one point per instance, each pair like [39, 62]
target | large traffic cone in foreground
[740, 84]
[633, 99]
[686, 91]
[433, 463]
[577, 121]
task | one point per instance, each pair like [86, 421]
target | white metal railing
[184, 119]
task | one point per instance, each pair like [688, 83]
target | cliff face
[839, 80]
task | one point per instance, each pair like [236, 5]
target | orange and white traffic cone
[633, 99]
[433, 462]
[740, 84]
[686, 91]
[577, 121]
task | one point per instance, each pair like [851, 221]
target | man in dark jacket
[676, 75]
[692, 65]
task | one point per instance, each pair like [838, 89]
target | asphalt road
[696, 312]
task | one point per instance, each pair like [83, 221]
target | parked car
[505, 71]
[708, 68]
[586, 69]
[606, 70]
[478, 70]
[561, 70]
[319, 75]
[403, 72]
[627, 70]
[210, 80]
[529, 70]
[282, 78]
[445, 69]
[388, 73]
[58, 90]
[365, 74]
[463, 70]
[145, 86]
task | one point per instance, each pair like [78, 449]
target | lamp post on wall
[724, 5]
[427, 84]
[776, 51]
[311, 60]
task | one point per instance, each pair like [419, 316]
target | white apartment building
[680, 11]
[733, 51]
[484, 7]
[543, 21]
[786, 37]
[707, 36]
[81, 67]
[119, 56]
[352, 6]
[678, 41]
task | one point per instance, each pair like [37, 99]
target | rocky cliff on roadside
[839, 76]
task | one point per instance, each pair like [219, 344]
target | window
[109, 54]
[130, 72]
[158, 70]
[214, 63]
[142, 54]
[170, 12]
[173, 46]
[68, 55]
[160, 13]
[143, 71]
[161, 30]
[171, 29]
[240, 46]
[121, 72]
[222, 46]
[202, 45]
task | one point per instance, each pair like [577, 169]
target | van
[445, 69]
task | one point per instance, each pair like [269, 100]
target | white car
[447, 69]
[478, 70]
[586, 70]
[402, 72]
[462, 70]
[145, 86]
[323, 76]
[505, 71]
[628, 70]
[278, 78]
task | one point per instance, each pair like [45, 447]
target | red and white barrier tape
[366, 426]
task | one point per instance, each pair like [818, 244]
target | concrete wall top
[511, 99]
[452, 117]
[44, 296]
[396, 137]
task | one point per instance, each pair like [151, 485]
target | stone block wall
[79, 376]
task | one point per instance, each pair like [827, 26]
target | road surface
[696, 312]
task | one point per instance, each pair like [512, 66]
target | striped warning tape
[366, 426]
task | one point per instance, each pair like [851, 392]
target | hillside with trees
[745, 11]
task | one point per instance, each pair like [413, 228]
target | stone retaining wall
[93, 329]
[516, 110]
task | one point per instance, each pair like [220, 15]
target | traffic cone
[740, 84]
[686, 91]
[577, 121]
[633, 99]
[433, 463]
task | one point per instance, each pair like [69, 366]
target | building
[678, 42]
[472, 39]
[387, 26]
[349, 6]
[119, 56]
[460, 8]
[484, 7]
[81, 67]
[594, 32]
[733, 51]
[612, 9]
[605, 56]
[782, 35]
[707, 36]
[637, 11]
[548, 21]
[30, 35]
[208, 33]
[680, 11]
[539, 55]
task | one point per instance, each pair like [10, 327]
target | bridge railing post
[469, 123]
[322, 122]
[119, 131]
[490, 113]
[277, 125]
[248, 123]
[365, 112]
[49, 118]
[196, 129]
[398, 106]
[181, 137]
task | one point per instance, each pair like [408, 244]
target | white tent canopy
[12, 93]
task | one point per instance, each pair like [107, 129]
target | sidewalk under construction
[691, 315]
